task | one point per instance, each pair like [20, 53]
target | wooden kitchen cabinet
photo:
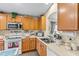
[26, 23]
[41, 48]
[32, 44]
[68, 16]
[28, 44]
[18, 19]
[42, 23]
[3, 21]
[32, 22]
[38, 46]
[36, 24]
[1, 45]
[25, 44]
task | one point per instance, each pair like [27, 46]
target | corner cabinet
[41, 48]
[68, 17]
[3, 18]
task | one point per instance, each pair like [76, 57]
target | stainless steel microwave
[14, 25]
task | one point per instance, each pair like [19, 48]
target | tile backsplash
[67, 35]
[73, 35]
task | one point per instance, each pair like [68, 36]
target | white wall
[50, 11]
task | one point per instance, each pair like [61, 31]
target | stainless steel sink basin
[46, 40]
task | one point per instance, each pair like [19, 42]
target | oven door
[13, 44]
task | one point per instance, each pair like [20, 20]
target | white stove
[13, 40]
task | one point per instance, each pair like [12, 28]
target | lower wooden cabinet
[28, 44]
[38, 46]
[41, 48]
[32, 44]
[25, 44]
[1, 45]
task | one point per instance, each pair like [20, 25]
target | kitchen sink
[46, 40]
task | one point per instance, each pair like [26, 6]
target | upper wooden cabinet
[36, 24]
[3, 21]
[17, 19]
[68, 16]
[26, 23]
[30, 23]
[42, 23]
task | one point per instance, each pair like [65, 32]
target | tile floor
[32, 53]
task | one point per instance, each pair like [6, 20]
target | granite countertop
[60, 50]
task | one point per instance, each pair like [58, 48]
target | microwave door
[16, 26]
[12, 26]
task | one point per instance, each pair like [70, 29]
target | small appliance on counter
[58, 39]
[32, 32]
[40, 34]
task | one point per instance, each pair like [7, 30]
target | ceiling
[33, 9]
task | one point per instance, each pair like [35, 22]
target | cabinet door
[36, 24]
[17, 19]
[1, 45]
[26, 24]
[10, 19]
[38, 46]
[2, 21]
[32, 22]
[25, 45]
[32, 44]
[43, 49]
[67, 16]
[39, 24]
[42, 23]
